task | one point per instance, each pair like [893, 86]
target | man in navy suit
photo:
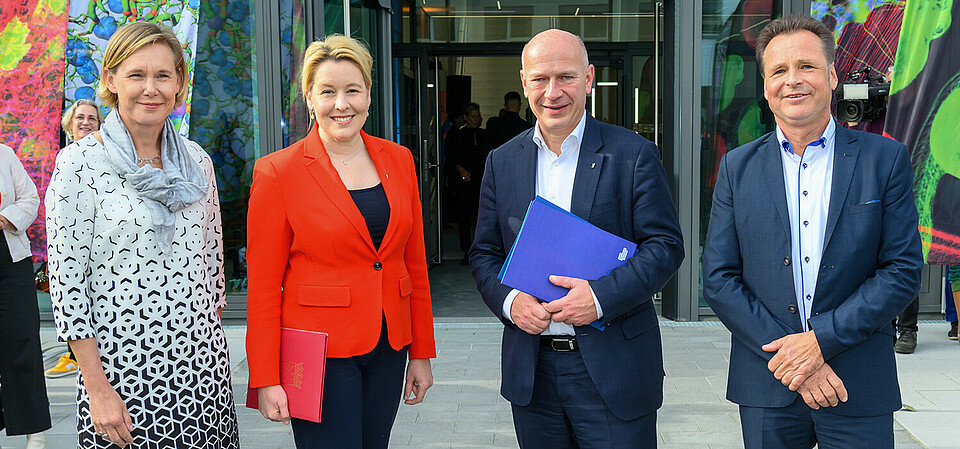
[812, 249]
[571, 385]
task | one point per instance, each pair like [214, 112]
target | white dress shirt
[808, 179]
[19, 203]
[555, 175]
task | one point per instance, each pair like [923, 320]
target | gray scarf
[179, 184]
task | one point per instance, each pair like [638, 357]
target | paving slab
[464, 408]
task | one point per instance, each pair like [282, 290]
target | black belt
[560, 343]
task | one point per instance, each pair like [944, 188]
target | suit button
[786, 261]
[792, 308]
[377, 266]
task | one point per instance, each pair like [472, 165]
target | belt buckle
[562, 345]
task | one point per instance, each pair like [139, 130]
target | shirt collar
[827, 137]
[576, 135]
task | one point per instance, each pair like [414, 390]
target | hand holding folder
[553, 241]
[303, 359]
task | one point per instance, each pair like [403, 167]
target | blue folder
[553, 241]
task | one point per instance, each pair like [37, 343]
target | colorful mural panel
[92, 22]
[32, 39]
[923, 113]
[866, 33]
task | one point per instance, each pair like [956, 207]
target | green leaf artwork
[923, 21]
[13, 44]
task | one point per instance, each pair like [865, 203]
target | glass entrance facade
[680, 72]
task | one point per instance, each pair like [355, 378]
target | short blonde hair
[336, 47]
[66, 122]
[132, 37]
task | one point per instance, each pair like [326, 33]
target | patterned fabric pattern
[152, 314]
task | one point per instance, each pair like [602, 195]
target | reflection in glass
[223, 118]
[734, 112]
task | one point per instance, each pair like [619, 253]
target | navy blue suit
[870, 269]
[620, 186]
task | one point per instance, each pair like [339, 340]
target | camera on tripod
[863, 99]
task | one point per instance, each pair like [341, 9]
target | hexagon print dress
[153, 314]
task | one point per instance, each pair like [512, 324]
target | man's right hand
[529, 315]
[823, 389]
[273, 403]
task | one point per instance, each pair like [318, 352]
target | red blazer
[311, 263]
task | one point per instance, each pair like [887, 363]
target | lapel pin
[386, 175]
[593, 164]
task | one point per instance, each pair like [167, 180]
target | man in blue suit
[812, 249]
[571, 385]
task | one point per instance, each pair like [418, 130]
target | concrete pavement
[465, 410]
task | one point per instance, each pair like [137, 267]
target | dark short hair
[469, 107]
[512, 95]
[793, 24]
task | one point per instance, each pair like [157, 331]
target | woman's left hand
[419, 379]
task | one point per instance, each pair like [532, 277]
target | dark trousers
[23, 393]
[907, 320]
[567, 412]
[796, 426]
[360, 399]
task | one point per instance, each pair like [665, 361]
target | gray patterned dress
[153, 315]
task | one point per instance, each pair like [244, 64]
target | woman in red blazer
[335, 244]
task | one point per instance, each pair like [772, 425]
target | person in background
[335, 244]
[81, 119]
[505, 127]
[136, 261]
[24, 409]
[952, 299]
[466, 154]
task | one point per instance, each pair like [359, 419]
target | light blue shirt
[555, 175]
[808, 179]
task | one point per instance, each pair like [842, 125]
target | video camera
[863, 99]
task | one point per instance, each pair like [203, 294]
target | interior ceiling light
[577, 13]
[498, 4]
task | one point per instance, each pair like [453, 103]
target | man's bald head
[552, 40]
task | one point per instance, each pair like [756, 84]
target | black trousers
[907, 320]
[361, 396]
[23, 393]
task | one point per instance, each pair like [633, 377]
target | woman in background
[24, 409]
[81, 119]
[335, 244]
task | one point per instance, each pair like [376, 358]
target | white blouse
[19, 202]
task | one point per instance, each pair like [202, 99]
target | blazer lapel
[845, 156]
[588, 170]
[772, 166]
[394, 196]
[319, 166]
[526, 173]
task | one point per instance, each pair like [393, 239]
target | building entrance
[433, 87]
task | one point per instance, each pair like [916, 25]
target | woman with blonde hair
[82, 118]
[136, 264]
[335, 244]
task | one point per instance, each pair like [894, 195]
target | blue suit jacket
[870, 269]
[620, 186]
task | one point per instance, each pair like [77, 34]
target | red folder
[303, 358]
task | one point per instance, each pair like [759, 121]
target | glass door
[417, 128]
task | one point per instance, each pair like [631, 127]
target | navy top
[375, 209]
